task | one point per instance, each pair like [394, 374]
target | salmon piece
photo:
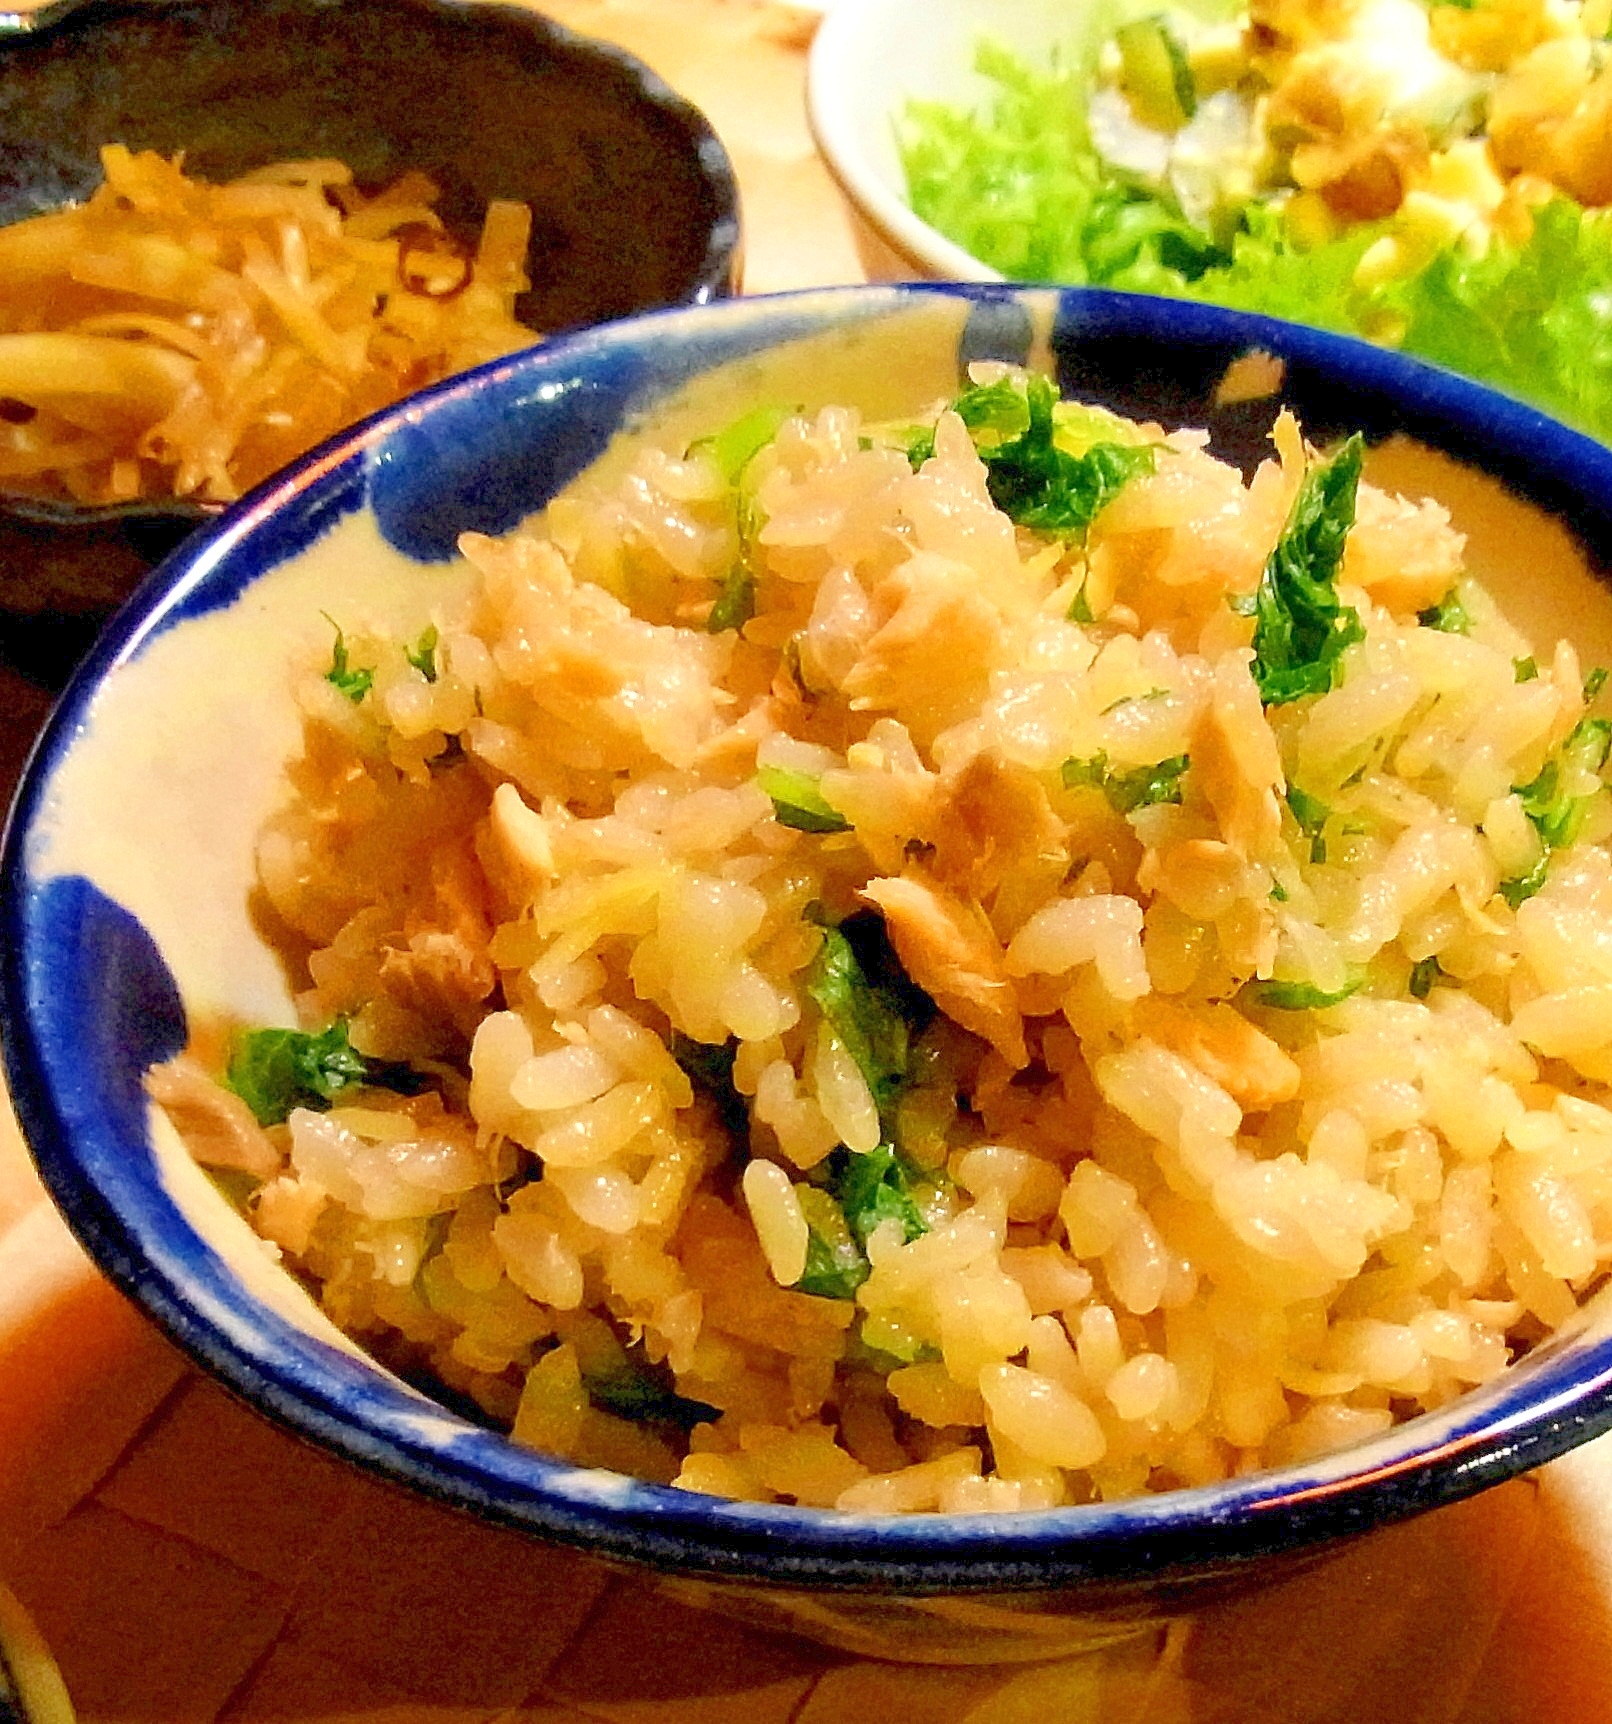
[1235, 759]
[1224, 1046]
[948, 947]
[219, 1129]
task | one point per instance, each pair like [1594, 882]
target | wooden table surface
[189, 1563]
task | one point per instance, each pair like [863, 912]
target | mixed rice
[965, 965]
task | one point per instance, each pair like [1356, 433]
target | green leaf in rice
[1301, 627]
[274, 1071]
[1448, 616]
[352, 681]
[1312, 815]
[1594, 683]
[735, 604]
[875, 1188]
[709, 1067]
[634, 1388]
[835, 1265]
[1140, 787]
[873, 1015]
[735, 446]
[798, 801]
[1424, 973]
[733, 449]
[423, 654]
[1301, 996]
[1524, 669]
[1555, 804]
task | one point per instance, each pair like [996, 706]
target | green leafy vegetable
[352, 682]
[835, 1264]
[1300, 996]
[1080, 608]
[736, 603]
[1594, 683]
[861, 1192]
[274, 1071]
[423, 654]
[1019, 186]
[1524, 669]
[733, 449]
[797, 801]
[1300, 627]
[1141, 787]
[1312, 815]
[875, 1188]
[1279, 893]
[1424, 973]
[633, 1388]
[709, 1067]
[1556, 800]
[735, 446]
[1449, 615]
[859, 986]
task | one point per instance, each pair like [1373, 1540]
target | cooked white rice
[1168, 1223]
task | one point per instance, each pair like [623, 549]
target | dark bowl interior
[633, 198]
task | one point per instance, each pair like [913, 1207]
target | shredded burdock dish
[175, 338]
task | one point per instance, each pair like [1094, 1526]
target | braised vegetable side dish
[175, 338]
[1431, 176]
[966, 964]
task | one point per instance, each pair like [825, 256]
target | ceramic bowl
[128, 866]
[868, 61]
[634, 201]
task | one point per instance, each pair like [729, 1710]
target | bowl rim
[1559, 1396]
[838, 50]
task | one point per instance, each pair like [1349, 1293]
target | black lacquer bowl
[633, 197]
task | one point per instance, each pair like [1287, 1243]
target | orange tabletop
[190, 1563]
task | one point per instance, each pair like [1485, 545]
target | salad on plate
[1434, 176]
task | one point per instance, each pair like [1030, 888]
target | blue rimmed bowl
[127, 872]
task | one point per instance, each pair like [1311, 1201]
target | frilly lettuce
[1021, 188]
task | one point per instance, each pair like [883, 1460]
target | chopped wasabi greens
[423, 654]
[735, 446]
[1032, 477]
[736, 603]
[1449, 615]
[875, 1188]
[1312, 815]
[1080, 607]
[1594, 683]
[1525, 669]
[867, 1013]
[274, 1071]
[1301, 627]
[1424, 973]
[1141, 787]
[733, 449]
[858, 1193]
[709, 1067]
[835, 1264]
[797, 801]
[1554, 806]
[353, 682]
[634, 1388]
[1300, 996]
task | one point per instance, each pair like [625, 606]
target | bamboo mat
[189, 1564]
